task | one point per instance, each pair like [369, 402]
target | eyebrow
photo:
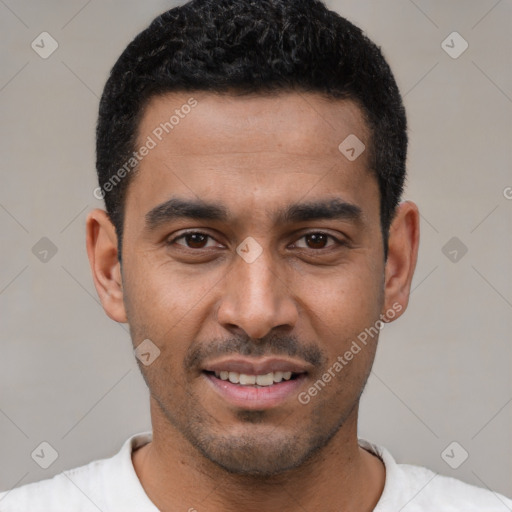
[177, 208]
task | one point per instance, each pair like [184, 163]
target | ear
[403, 242]
[101, 239]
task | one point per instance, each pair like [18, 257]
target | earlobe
[403, 246]
[101, 241]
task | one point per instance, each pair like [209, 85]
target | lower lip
[256, 398]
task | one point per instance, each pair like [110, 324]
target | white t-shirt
[111, 485]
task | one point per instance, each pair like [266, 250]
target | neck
[342, 476]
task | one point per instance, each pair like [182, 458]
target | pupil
[195, 237]
[317, 239]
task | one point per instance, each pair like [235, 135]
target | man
[252, 159]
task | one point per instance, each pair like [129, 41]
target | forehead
[265, 148]
[302, 123]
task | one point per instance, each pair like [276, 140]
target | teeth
[247, 379]
[265, 380]
[250, 380]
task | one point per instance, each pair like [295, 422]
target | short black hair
[251, 47]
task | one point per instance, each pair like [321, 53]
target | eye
[193, 240]
[318, 240]
[199, 240]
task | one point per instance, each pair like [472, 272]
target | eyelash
[183, 235]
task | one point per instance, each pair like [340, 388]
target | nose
[256, 298]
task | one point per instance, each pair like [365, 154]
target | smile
[243, 379]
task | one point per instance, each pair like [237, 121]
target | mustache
[273, 345]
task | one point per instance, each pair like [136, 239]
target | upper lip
[258, 366]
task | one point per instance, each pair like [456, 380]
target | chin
[254, 457]
[263, 452]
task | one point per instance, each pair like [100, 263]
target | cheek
[165, 292]
[347, 297]
[167, 306]
[343, 310]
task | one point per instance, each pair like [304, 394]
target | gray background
[442, 374]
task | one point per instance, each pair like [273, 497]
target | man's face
[315, 286]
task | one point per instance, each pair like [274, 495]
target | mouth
[257, 385]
